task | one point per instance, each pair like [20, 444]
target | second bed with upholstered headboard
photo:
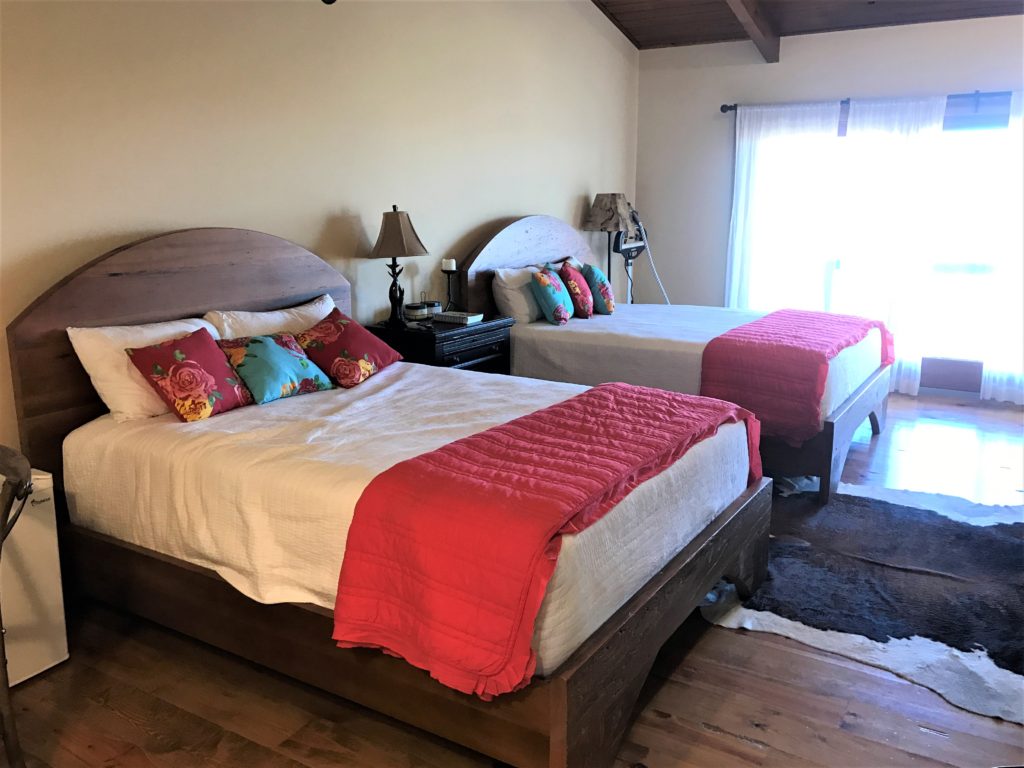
[662, 346]
[525, 242]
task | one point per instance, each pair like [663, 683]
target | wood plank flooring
[944, 444]
[135, 695]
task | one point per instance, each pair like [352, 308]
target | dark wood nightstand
[483, 346]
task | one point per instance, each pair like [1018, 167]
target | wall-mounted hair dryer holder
[632, 248]
[629, 249]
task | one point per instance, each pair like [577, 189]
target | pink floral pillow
[579, 291]
[191, 375]
[349, 353]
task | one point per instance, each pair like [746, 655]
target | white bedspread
[657, 345]
[264, 495]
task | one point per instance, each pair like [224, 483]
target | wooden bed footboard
[575, 718]
[825, 454]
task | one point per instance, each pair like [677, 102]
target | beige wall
[122, 119]
[684, 161]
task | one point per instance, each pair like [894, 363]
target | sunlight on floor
[957, 460]
[939, 445]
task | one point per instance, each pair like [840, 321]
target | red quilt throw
[450, 553]
[776, 366]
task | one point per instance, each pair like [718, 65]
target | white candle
[448, 265]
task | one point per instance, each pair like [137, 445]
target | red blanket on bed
[776, 366]
[450, 553]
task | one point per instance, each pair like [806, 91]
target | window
[907, 210]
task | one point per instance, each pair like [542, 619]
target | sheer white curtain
[778, 199]
[1001, 300]
[885, 191]
[934, 241]
[897, 219]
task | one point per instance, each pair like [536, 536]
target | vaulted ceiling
[665, 23]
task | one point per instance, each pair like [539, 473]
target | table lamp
[610, 213]
[397, 238]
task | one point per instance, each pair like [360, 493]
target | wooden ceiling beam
[660, 23]
[614, 19]
[750, 15]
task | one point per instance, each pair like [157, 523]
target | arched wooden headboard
[178, 274]
[526, 241]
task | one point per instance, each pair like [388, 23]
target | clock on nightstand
[483, 346]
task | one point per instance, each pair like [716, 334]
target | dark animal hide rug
[881, 570]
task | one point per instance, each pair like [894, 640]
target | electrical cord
[13, 519]
[650, 255]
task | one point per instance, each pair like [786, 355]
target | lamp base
[396, 295]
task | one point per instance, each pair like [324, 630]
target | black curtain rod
[726, 108]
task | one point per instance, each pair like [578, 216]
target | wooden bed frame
[576, 716]
[541, 239]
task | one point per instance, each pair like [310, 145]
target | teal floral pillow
[552, 295]
[273, 367]
[604, 299]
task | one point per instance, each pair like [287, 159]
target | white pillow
[118, 383]
[233, 324]
[513, 295]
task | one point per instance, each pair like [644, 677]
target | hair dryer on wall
[632, 245]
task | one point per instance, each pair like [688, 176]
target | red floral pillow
[348, 352]
[579, 291]
[191, 375]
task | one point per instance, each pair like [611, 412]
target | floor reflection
[938, 444]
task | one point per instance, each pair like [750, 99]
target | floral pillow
[274, 366]
[579, 291]
[346, 350]
[600, 288]
[552, 295]
[191, 375]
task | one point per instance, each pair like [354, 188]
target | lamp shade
[609, 213]
[397, 237]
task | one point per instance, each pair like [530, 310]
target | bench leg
[831, 472]
[877, 417]
[751, 566]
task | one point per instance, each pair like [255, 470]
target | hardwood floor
[136, 695]
[944, 444]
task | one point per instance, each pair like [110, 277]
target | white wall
[123, 119]
[685, 144]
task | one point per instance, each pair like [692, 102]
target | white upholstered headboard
[526, 241]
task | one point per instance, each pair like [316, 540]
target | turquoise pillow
[273, 367]
[604, 299]
[552, 295]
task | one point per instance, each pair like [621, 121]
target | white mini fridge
[30, 587]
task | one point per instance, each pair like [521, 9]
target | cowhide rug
[935, 600]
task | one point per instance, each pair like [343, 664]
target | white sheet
[657, 345]
[264, 495]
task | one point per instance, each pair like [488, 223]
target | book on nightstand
[458, 318]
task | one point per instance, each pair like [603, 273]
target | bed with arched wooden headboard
[178, 274]
[575, 354]
[576, 716]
